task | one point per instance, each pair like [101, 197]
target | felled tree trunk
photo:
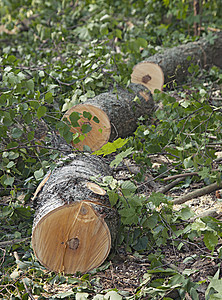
[74, 225]
[117, 113]
[175, 61]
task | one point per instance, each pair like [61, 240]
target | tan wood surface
[100, 132]
[148, 74]
[95, 188]
[71, 238]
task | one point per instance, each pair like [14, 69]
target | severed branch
[12, 242]
[200, 192]
[169, 186]
[180, 176]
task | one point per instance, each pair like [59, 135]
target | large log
[175, 62]
[74, 224]
[117, 113]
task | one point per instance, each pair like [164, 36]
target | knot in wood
[73, 243]
[146, 78]
[83, 210]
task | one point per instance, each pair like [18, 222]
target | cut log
[149, 74]
[74, 225]
[175, 62]
[117, 114]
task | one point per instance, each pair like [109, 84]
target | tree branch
[197, 193]
[180, 176]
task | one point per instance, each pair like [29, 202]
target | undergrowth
[63, 53]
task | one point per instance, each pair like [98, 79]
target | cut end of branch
[95, 188]
[99, 123]
[148, 74]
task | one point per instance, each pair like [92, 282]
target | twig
[160, 175]
[3, 256]
[200, 192]
[27, 290]
[180, 176]
[12, 242]
[112, 275]
[169, 186]
[209, 213]
[23, 281]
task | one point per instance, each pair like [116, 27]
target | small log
[117, 113]
[148, 74]
[74, 225]
[197, 193]
[174, 62]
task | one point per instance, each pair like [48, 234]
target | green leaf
[104, 29]
[41, 74]
[87, 115]
[7, 121]
[151, 221]
[111, 147]
[31, 135]
[30, 85]
[16, 133]
[215, 285]
[118, 34]
[141, 244]
[210, 239]
[68, 294]
[41, 111]
[188, 162]
[49, 97]
[112, 295]
[81, 296]
[10, 164]
[96, 120]
[128, 187]
[142, 42]
[186, 213]
[194, 294]
[119, 157]
[74, 118]
[113, 197]
[39, 174]
[157, 198]
[199, 225]
[13, 155]
[204, 173]
[128, 215]
[9, 180]
[86, 128]
[105, 18]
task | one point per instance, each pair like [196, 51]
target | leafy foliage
[56, 54]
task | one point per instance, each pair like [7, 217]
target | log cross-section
[148, 74]
[74, 225]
